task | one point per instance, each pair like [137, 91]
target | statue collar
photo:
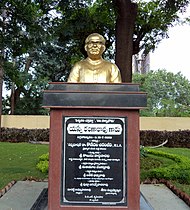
[95, 62]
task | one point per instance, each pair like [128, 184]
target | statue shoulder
[109, 63]
[81, 62]
[78, 65]
[113, 65]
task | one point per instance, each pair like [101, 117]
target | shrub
[179, 138]
[43, 164]
[180, 170]
[44, 157]
[143, 152]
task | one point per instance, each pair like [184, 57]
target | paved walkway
[23, 195]
[161, 198]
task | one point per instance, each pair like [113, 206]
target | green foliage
[153, 21]
[22, 25]
[44, 157]
[143, 152]
[179, 170]
[147, 163]
[174, 157]
[27, 90]
[25, 26]
[24, 135]
[178, 151]
[167, 93]
[43, 164]
[179, 138]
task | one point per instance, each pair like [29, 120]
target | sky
[173, 54]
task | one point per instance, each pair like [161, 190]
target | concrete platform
[161, 198]
[24, 194]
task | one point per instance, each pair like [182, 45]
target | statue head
[95, 45]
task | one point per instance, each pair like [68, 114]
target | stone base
[42, 202]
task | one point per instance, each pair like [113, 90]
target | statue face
[95, 47]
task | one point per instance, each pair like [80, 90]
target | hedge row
[179, 138]
[179, 170]
[24, 135]
[147, 138]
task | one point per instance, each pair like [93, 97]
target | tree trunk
[12, 98]
[1, 91]
[15, 92]
[3, 15]
[126, 15]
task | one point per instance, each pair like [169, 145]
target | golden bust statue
[94, 69]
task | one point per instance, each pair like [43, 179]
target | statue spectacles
[94, 43]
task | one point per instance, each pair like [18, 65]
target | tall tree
[24, 27]
[167, 93]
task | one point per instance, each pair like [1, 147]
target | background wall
[146, 123]
[165, 123]
[25, 121]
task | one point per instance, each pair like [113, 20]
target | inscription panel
[94, 161]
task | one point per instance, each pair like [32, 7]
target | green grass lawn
[18, 161]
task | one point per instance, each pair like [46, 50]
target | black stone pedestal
[42, 202]
[144, 204]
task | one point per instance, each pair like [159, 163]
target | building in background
[141, 63]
